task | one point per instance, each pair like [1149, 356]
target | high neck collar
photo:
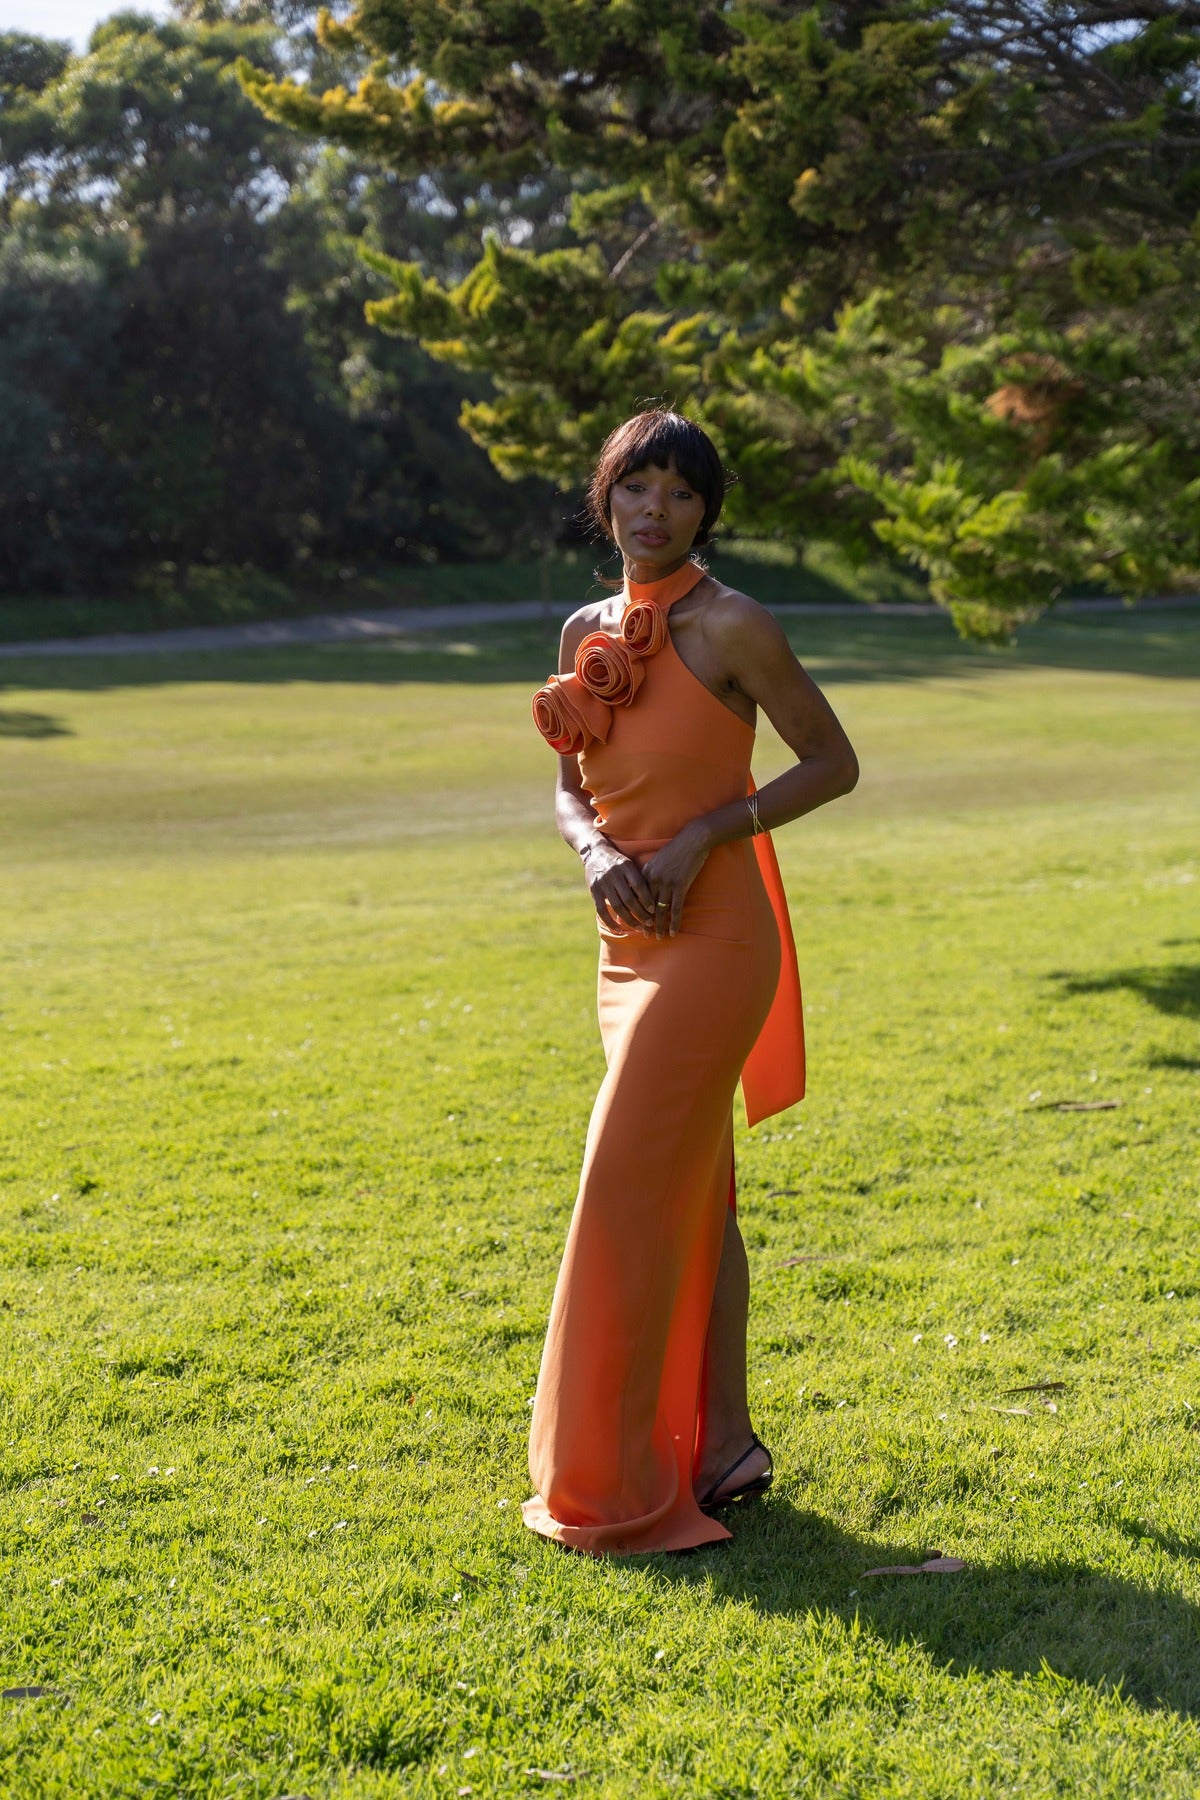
[668, 588]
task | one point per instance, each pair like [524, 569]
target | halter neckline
[668, 588]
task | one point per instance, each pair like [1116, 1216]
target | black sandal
[760, 1484]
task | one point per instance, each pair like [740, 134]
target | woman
[640, 1423]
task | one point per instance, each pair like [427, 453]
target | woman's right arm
[618, 888]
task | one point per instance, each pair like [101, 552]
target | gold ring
[659, 903]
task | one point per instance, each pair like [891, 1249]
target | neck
[643, 572]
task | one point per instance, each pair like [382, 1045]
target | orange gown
[616, 1417]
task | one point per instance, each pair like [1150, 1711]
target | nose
[655, 506]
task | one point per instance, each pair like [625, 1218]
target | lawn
[297, 1047]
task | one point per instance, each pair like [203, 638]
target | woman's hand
[671, 871]
[619, 889]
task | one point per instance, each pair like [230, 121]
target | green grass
[296, 1054]
[773, 572]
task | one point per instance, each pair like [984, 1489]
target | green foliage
[921, 268]
[187, 378]
[149, 124]
[293, 1085]
[60, 490]
[29, 64]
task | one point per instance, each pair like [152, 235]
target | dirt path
[402, 621]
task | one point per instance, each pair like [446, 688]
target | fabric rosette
[644, 627]
[608, 668]
[569, 716]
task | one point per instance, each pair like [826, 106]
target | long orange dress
[616, 1415]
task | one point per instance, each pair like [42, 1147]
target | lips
[653, 538]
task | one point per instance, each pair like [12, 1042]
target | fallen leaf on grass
[1016, 1412]
[1037, 1387]
[467, 1576]
[23, 1693]
[937, 1565]
[89, 1518]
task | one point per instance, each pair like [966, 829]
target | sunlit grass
[296, 1052]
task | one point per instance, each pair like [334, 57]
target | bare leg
[726, 1426]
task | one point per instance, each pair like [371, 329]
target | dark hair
[660, 437]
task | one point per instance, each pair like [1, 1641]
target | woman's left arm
[761, 664]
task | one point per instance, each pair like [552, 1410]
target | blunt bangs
[663, 438]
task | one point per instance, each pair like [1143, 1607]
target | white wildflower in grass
[950, 1341]
[917, 1336]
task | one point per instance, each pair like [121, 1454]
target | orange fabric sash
[773, 1073]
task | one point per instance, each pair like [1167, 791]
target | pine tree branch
[627, 256]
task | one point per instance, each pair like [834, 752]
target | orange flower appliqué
[568, 716]
[644, 627]
[572, 711]
[608, 668]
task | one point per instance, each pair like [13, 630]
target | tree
[186, 374]
[137, 182]
[61, 494]
[921, 268]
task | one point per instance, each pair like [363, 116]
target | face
[655, 517]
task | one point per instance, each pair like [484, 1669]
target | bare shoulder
[731, 617]
[589, 617]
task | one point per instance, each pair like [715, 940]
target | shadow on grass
[32, 725]
[1172, 988]
[1017, 1617]
[838, 650]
